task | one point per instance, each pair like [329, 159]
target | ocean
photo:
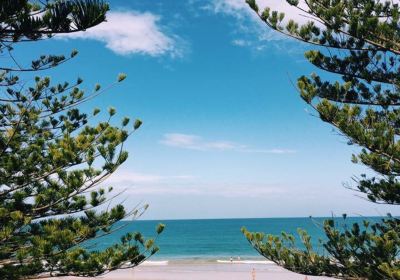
[217, 239]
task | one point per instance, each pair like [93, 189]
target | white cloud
[240, 42]
[195, 142]
[240, 9]
[251, 32]
[271, 151]
[131, 32]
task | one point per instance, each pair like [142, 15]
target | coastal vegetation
[359, 41]
[54, 157]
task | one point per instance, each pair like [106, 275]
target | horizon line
[259, 218]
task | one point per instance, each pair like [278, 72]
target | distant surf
[244, 262]
[164, 263]
[155, 263]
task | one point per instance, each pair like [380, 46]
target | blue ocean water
[219, 238]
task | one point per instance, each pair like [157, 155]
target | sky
[225, 133]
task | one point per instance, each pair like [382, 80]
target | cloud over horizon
[195, 142]
[141, 34]
[142, 184]
[124, 177]
[214, 190]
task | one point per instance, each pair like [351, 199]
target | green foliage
[23, 19]
[54, 158]
[362, 251]
[360, 42]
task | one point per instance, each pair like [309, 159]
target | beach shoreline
[203, 270]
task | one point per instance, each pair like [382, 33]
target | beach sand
[203, 271]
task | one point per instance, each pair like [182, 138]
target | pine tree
[53, 159]
[358, 40]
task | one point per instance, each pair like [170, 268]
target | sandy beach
[204, 271]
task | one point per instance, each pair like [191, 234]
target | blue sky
[225, 133]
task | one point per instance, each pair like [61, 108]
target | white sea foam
[164, 263]
[155, 263]
[245, 262]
